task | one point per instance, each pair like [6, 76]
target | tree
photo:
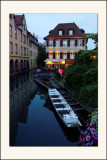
[93, 37]
[41, 57]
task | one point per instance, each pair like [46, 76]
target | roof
[65, 27]
[18, 19]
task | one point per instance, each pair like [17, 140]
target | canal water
[33, 121]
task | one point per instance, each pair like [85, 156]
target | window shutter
[54, 44]
[47, 43]
[61, 43]
[68, 55]
[83, 42]
[53, 55]
[61, 55]
[68, 43]
[75, 42]
[46, 55]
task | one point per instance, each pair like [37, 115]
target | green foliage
[41, 57]
[83, 75]
[92, 36]
[57, 75]
[88, 95]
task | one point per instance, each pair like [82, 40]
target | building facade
[62, 43]
[23, 48]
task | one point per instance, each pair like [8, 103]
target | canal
[33, 121]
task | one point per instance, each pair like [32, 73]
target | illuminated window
[72, 42]
[10, 30]
[50, 56]
[70, 32]
[72, 56]
[64, 55]
[57, 55]
[79, 42]
[65, 43]
[60, 33]
[50, 43]
[57, 43]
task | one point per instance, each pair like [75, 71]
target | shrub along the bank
[83, 74]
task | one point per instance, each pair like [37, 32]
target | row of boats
[61, 106]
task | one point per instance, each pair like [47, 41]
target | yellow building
[23, 45]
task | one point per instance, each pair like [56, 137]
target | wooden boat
[63, 109]
[43, 83]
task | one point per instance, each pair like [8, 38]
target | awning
[54, 60]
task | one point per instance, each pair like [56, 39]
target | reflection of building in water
[22, 89]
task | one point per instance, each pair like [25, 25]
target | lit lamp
[94, 56]
[63, 62]
[60, 71]
[49, 62]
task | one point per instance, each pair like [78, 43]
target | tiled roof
[65, 27]
[18, 19]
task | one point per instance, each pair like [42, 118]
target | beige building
[23, 45]
[62, 43]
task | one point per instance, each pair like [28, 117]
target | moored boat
[63, 109]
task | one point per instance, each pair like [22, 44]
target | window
[16, 49]
[60, 33]
[72, 56]
[10, 15]
[27, 40]
[11, 47]
[24, 27]
[15, 33]
[21, 50]
[21, 36]
[72, 42]
[10, 30]
[70, 32]
[57, 55]
[31, 61]
[30, 44]
[64, 42]
[79, 42]
[50, 43]
[27, 51]
[30, 53]
[64, 56]
[50, 56]
[24, 51]
[24, 38]
[57, 43]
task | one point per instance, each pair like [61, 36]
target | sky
[41, 24]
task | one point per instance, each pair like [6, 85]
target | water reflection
[22, 90]
[28, 103]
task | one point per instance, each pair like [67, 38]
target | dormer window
[70, 32]
[60, 33]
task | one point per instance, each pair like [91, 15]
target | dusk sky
[41, 24]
